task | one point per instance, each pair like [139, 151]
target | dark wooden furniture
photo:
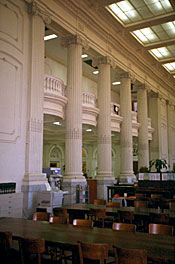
[131, 256]
[158, 247]
[140, 204]
[97, 215]
[92, 251]
[126, 216]
[159, 229]
[57, 220]
[92, 190]
[5, 245]
[124, 227]
[100, 202]
[61, 212]
[41, 216]
[30, 246]
[83, 223]
[112, 205]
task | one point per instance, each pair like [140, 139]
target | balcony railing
[89, 99]
[54, 85]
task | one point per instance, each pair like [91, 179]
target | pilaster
[34, 180]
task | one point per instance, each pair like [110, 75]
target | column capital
[143, 86]
[74, 39]
[34, 9]
[104, 60]
[126, 75]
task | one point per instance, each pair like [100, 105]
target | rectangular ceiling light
[84, 56]
[57, 123]
[95, 72]
[52, 36]
[115, 83]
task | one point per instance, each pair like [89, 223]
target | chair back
[57, 220]
[92, 251]
[41, 216]
[5, 245]
[156, 196]
[97, 214]
[130, 256]
[124, 227]
[159, 218]
[83, 223]
[60, 211]
[140, 195]
[172, 205]
[112, 205]
[30, 246]
[100, 202]
[126, 216]
[161, 229]
[140, 204]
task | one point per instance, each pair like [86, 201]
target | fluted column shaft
[126, 145]
[142, 116]
[73, 145]
[104, 156]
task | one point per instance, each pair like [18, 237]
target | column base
[31, 185]
[127, 178]
[70, 185]
[102, 187]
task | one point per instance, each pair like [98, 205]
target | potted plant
[159, 164]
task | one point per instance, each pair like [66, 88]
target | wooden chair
[41, 216]
[159, 218]
[57, 220]
[97, 215]
[83, 223]
[112, 205]
[140, 195]
[130, 256]
[140, 204]
[62, 212]
[161, 229]
[92, 252]
[124, 227]
[156, 196]
[126, 216]
[100, 202]
[5, 245]
[30, 248]
[172, 205]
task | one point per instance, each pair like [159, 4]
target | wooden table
[66, 237]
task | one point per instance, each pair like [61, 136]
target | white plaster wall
[55, 69]
[14, 74]
[115, 97]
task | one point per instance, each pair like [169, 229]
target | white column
[73, 144]
[126, 145]
[104, 154]
[73, 162]
[34, 180]
[142, 116]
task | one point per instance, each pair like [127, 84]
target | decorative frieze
[74, 39]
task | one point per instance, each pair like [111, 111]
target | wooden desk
[66, 236]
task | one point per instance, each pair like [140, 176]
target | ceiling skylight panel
[125, 6]
[140, 36]
[166, 5]
[119, 13]
[165, 52]
[156, 9]
[170, 66]
[156, 53]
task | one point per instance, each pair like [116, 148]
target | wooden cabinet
[92, 190]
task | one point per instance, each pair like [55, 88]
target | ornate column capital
[143, 86]
[34, 9]
[74, 39]
[126, 75]
[104, 60]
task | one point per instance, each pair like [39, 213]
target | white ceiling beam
[151, 22]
